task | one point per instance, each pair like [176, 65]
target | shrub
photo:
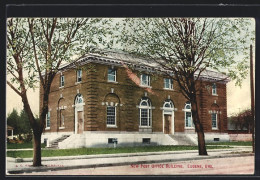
[12, 141]
[19, 142]
[28, 138]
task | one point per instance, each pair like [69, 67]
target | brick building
[100, 99]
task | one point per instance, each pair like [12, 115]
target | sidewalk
[18, 166]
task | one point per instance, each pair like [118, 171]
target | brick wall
[95, 90]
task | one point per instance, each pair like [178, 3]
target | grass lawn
[242, 143]
[91, 151]
[22, 145]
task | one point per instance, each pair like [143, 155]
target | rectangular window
[214, 120]
[145, 117]
[112, 140]
[111, 75]
[145, 80]
[62, 118]
[48, 119]
[111, 116]
[146, 140]
[62, 80]
[168, 83]
[216, 139]
[79, 75]
[188, 119]
[214, 89]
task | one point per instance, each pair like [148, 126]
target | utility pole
[252, 96]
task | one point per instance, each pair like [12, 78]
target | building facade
[120, 100]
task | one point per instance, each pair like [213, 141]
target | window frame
[148, 80]
[185, 116]
[214, 89]
[62, 81]
[114, 116]
[113, 75]
[48, 119]
[79, 76]
[216, 119]
[62, 119]
[78, 98]
[170, 83]
[148, 107]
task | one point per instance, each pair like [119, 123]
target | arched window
[112, 102]
[188, 116]
[168, 104]
[145, 108]
[79, 99]
[168, 107]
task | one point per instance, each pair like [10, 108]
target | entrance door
[80, 122]
[167, 124]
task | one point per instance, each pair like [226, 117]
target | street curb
[44, 168]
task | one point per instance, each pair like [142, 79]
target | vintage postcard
[130, 96]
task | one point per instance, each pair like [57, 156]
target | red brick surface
[95, 89]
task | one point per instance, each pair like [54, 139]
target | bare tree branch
[15, 90]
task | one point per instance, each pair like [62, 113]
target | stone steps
[182, 139]
[55, 143]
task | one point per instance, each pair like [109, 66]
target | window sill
[189, 128]
[215, 129]
[113, 82]
[61, 87]
[61, 127]
[145, 127]
[168, 89]
[214, 94]
[76, 83]
[47, 128]
[146, 86]
[111, 126]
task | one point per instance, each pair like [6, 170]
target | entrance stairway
[55, 144]
[182, 139]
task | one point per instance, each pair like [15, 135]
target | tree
[186, 47]
[19, 122]
[24, 123]
[12, 120]
[243, 120]
[36, 48]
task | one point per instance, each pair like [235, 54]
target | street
[217, 166]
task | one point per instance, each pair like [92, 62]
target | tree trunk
[37, 149]
[201, 140]
[198, 128]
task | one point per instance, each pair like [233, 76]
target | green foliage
[243, 120]
[22, 145]
[187, 45]
[240, 143]
[91, 151]
[24, 123]
[20, 123]
[12, 120]
[37, 47]
[50, 42]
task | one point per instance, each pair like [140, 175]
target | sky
[238, 98]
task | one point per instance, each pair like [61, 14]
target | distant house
[10, 132]
[100, 100]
